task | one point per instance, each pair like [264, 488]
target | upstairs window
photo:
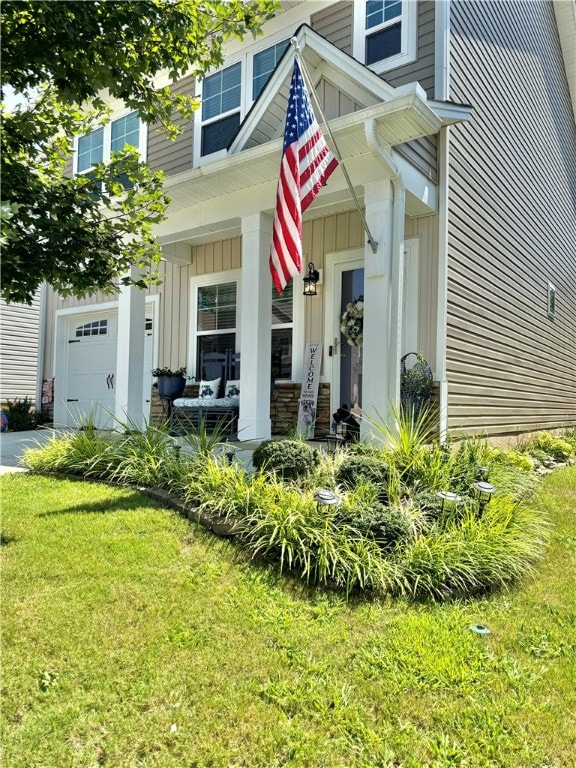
[221, 100]
[90, 150]
[264, 64]
[96, 146]
[385, 33]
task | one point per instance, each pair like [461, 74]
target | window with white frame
[264, 64]
[221, 102]
[227, 96]
[215, 314]
[282, 332]
[385, 33]
[97, 145]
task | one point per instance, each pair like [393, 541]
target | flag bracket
[297, 52]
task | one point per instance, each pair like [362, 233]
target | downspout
[41, 346]
[442, 93]
[396, 273]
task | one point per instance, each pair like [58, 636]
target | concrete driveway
[12, 444]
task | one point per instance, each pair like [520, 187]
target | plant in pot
[416, 383]
[170, 382]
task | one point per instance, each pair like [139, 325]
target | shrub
[21, 415]
[387, 526]
[553, 445]
[356, 468]
[289, 459]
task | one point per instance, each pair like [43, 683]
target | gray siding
[335, 24]
[512, 223]
[421, 153]
[173, 156]
[19, 343]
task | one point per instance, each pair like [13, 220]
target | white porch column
[255, 329]
[130, 354]
[382, 303]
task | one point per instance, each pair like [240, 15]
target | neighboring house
[456, 124]
[21, 326]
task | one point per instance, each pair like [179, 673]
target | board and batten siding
[173, 156]
[19, 348]
[328, 234]
[512, 223]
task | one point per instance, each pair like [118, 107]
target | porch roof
[250, 166]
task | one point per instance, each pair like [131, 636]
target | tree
[82, 234]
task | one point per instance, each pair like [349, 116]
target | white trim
[213, 278]
[409, 36]
[107, 140]
[410, 304]
[334, 264]
[442, 50]
[442, 295]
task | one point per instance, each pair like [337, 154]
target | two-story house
[455, 122]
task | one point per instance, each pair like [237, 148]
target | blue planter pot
[171, 387]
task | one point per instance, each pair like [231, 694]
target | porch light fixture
[325, 498]
[311, 280]
[483, 492]
[333, 441]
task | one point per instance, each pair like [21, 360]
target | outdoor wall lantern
[325, 498]
[311, 280]
[483, 491]
[333, 441]
[448, 496]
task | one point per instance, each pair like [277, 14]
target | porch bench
[192, 413]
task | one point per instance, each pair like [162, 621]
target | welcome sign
[309, 392]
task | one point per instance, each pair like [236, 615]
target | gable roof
[265, 120]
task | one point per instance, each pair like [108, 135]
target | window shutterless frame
[97, 145]
[385, 33]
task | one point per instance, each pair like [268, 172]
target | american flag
[307, 162]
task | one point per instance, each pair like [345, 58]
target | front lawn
[133, 638]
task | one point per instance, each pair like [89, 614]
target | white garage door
[91, 368]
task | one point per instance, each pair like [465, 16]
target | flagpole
[294, 41]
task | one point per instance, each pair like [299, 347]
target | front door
[346, 282]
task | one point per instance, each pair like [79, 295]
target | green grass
[132, 638]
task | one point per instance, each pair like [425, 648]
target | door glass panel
[351, 357]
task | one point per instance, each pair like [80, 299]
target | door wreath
[352, 322]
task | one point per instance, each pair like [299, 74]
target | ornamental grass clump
[472, 553]
[86, 453]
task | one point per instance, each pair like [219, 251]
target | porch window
[282, 331]
[221, 100]
[215, 319]
[385, 33]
